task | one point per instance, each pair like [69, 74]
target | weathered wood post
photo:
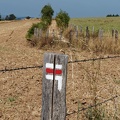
[81, 32]
[80, 29]
[76, 31]
[61, 32]
[116, 36]
[54, 86]
[47, 33]
[35, 32]
[53, 34]
[87, 35]
[40, 33]
[93, 29]
[113, 32]
[100, 34]
[70, 36]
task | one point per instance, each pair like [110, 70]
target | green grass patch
[107, 23]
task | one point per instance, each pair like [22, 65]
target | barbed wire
[91, 106]
[76, 61]
[94, 59]
[21, 68]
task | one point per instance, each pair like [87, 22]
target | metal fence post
[54, 86]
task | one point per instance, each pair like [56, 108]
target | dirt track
[20, 91]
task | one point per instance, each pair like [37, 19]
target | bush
[62, 19]
[28, 17]
[47, 13]
[40, 25]
[0, 17]
[95, 114]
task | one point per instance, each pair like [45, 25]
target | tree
[47, 13]
[12, 17]
[28, 17]
[7, 17]
[0, 17]
[62, 19]
[117, 15]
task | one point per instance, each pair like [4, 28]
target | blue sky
[75, 8]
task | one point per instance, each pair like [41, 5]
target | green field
[106, 23]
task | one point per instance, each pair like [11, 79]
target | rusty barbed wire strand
[21, 68]
[94, 59]
[91, 106]
[76, 61]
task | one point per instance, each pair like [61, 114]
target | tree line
[11, 17]
[8, 17]
[112, 15]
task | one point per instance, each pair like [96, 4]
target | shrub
[47, 13]
[40, 25]
[0, 17]
[28, 17]
[12, 17]
[95, 114]
[62, 19]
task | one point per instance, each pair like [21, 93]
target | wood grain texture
[53, 98]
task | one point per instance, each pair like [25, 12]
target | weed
[11, 99]
[95, 114]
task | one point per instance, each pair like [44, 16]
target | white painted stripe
[58, 66]
[49, 77]
[59, 79]
[49, 65]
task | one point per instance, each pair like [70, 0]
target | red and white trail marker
[54, 86]
[57, 71]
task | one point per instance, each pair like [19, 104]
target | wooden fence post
[53, 34]
[70, 36]
[61, 32]
[116, 35]
[87, 35]
[100, 34]
[93, 29]
[47, 33]
[54, 86]
[40, 33]
[80, 29]
[113, 32]
[76, 32]
[35, 32]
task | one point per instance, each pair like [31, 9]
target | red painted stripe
[58, 72]
[48, 70]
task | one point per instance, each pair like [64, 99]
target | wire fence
[91, 106]
[20, 68]
[83, 60]
[75, 61]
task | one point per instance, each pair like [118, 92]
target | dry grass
[41, 42]
[106, 44]
[92, 84]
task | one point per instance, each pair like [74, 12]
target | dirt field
[21, 91]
